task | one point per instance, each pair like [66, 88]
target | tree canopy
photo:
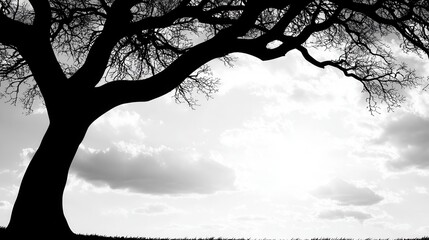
[144, 49]
[85, 57]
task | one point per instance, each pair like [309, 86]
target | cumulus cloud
[409, 135]
[392, 226]
[152, 171]
[423, 230]
[122, 122]
[345, 194]
[421, 190]
[5, 205]
[41, 109]
[26, 156]
[251, 218]
[150, 209]
[155, 209]
[344, 214]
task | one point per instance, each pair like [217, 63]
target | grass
[97, 237]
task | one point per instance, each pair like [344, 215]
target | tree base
[45, 233]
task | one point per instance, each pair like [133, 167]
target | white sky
[284, 150]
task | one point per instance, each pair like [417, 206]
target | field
[96, 237]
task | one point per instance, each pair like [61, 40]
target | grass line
[98, 237]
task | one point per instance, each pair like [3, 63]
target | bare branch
[378, 80]
[118, 25]
[165, 81]
[144, 49]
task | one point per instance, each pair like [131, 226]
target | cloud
[155, 209]
[26, 156]
[150, 209]
[347, 194]
[41, 109]
[343, 214]
[5, 205]
[409, 135]
[392, 226]
[122, 122]
[423, 230]
[152, 171]
[421, 190]
[116, 212]
[251, 218]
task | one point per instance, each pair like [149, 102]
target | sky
[283, 150]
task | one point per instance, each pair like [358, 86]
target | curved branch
[380, 83]
[116, 93]
[335, 64]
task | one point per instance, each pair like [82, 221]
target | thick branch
[115, 93]
[117, 26]
[12, 32]
[33, 44]
[46, 71]
[42, 18]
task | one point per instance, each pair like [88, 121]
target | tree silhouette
[84, 58]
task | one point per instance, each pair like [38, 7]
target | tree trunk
[38, 209]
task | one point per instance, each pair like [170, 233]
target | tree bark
[38, 209]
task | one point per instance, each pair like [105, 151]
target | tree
[84, 58]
